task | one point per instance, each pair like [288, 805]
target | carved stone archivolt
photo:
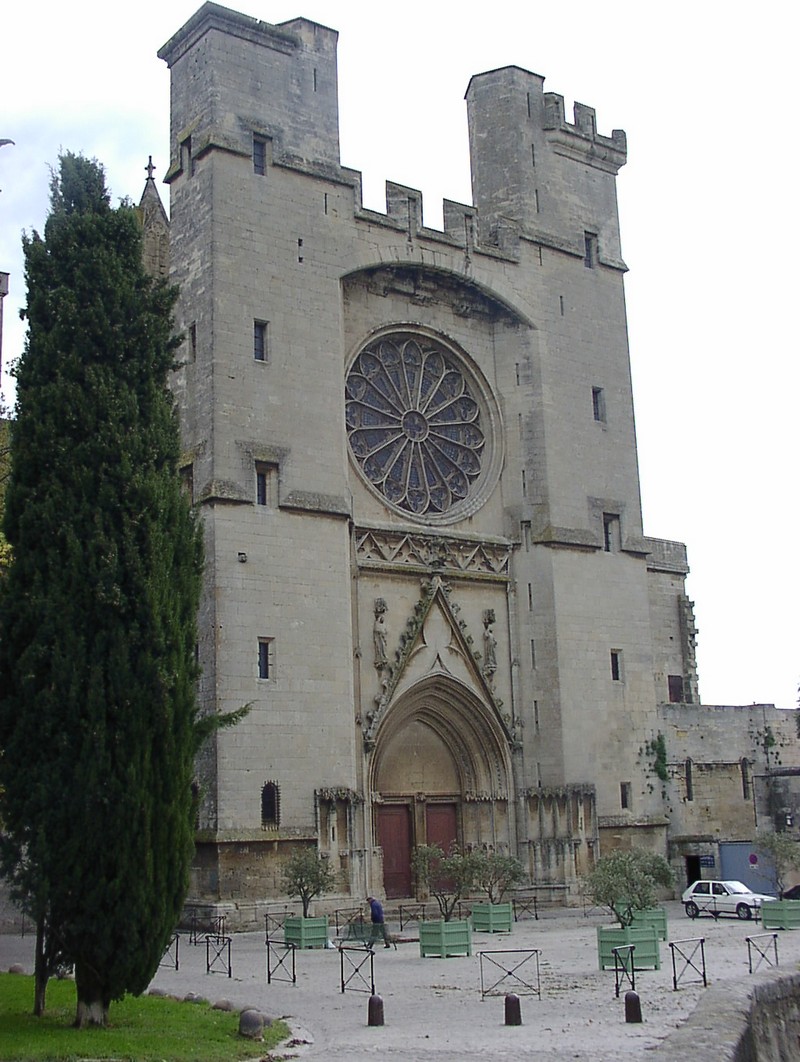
[432, 590]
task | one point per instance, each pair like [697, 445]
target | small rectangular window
[187, 481]
[187, 161]
[266, 661]
[746, 789]
[625, 794]
[599, 404]
[611, 535]
[616, 665]
[266, 484]
[526, 534]
[260, 340]
[259, 156]
[590, 249]
[675, 684]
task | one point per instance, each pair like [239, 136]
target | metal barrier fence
[351, 964]
[507, 977]
[762, 944]
[278, 969]
[345, 916]
[218, 955]
[525, 905]
[274, 921]
[170, 957]
[624, 968]
[198, 927]
[679, 949]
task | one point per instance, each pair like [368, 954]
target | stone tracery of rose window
[414, 424]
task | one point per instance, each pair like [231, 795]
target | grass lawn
[143, 1029]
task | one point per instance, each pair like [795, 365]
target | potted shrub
[783, 852]
[625, 883]
[306, 875]
[495, 874]
[447, 878]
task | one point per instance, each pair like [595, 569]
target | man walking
[378, 923]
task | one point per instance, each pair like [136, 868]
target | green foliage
[495, 874]
[657, 750]
[446, 877]
[5, 466]
[98, 718]
[147, 1029]
[784, 852]
[626, 882]
[307, 874]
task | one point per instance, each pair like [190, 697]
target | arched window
[270, 805]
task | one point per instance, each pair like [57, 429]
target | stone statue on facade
[379, 633]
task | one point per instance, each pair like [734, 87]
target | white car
[722, 897]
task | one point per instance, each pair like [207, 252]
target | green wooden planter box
[445, 938]
[306, 932]
[647, 954]
[780, 914]
[653, 916]
[492, 917]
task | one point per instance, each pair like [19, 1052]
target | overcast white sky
[703, 91]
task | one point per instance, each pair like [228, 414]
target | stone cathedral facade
[415, 457]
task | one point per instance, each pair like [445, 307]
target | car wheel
[744, 912]
[692, 909]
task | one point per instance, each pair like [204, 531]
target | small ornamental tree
[783, 851]
[306, 874]
[626, 882]
[495, 874]
[446, 877]
[98, 717]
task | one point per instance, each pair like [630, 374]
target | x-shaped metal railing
[506, 971]
[278, 966]
[679, 949]
[218, 955]
[624, 969]
[762, 944]
[352, 962]
[170, 956]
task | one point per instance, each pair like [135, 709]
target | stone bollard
[633, 1007]
[513, 1010]
[251, 1025]
[375, 1010]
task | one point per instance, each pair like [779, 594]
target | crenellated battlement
[579, 138]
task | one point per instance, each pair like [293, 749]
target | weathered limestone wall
[740, 1021]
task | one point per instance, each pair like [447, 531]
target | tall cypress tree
[98, 718]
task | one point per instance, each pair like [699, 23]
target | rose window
[414, 424]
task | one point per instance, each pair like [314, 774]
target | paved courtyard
[433, 1008]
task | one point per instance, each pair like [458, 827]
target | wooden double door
[396, 836]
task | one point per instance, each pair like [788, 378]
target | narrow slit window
[259, 156]
[533, 654]
[533, 155]
[524, 484]
[561, 304]
[266, 658]
[616, 665]
[590, 249]
[536, 716]
[689, 780]
[260, 340]
[193, 340]
[746, 788]
[530, 598]
[266, 484]
[526, 535]
[625, 794]
[599, 404]
[611, 533]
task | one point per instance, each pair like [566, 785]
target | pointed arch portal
[440, 773]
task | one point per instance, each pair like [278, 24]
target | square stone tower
[415, 457]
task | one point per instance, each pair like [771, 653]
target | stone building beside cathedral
[415, 457]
